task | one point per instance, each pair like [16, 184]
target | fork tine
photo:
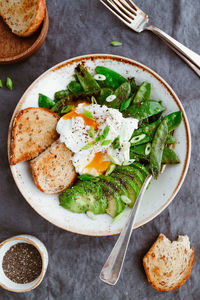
[128, 6]
[127, 20]
[118, 2]
[135, 6]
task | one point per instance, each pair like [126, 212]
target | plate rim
[169, 89]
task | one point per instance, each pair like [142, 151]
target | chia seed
[22, 263]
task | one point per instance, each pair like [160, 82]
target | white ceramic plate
[160, 192]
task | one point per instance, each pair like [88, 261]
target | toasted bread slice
[23, 16]
[34, 130]
[168, 264]
[53, 170]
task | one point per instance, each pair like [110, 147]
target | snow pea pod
[86, 80]
[144, 110]
[134, 86]
[143, 93]
[61, 94]
[169, 157]
[46, 102]
[75, 87]
[158, 145]
[173, 120]
[122, 93]
[104, 93]
[113, 79]
[170, 139]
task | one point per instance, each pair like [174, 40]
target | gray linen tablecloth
[82, 27]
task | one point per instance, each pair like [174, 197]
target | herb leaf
[105, 132]
[116, 143]
[88, 146]
[88, 114]
[66, 109]
[91, 132]
[106, 142]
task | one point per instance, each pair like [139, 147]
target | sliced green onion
[128, 162]
[111, 98]
[66, 109]
[93, 99]
[115, 44]
[116, 143]
[88, 146]
[137, 138]
[9, 83]
[99, 77]
[98, 138]
[115, 160]
[110, 169]
[1, 84]
[88, 114]
[126, 199]
[147, 149]
[91, 132]
[91, 215]
[106, 142]
[105, 132]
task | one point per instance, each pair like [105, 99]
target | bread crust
[146, 268]
[26, 156]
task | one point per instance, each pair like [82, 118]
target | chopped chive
[91, 132]
[105, 132]
[106, 142]
[1, 84]
[115, 44]
[9, 83]
[111, 98]
[88, 146]
[110, 169]
[93, 99]
[88, 114]
[116, 143]
[66, 109]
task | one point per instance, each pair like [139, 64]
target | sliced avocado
[140, 167]
[130, 180]
[113, 195]
[125, 182]
[133, 172]
[74, 200]
[117, 185]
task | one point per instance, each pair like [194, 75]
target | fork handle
[113, 266]
[189, 56]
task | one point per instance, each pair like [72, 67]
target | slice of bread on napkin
[53, 170]
[23, 16]
[168, 264]
[34, 130]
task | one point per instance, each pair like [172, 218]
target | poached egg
[98, 136]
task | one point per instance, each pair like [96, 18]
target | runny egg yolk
[87, 121]
[98, 163]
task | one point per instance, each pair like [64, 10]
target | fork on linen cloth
[137, 20]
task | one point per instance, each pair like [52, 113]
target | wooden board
[14, 48]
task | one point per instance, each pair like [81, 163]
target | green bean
[143, 93]
[113, 79]
[121, 93]
[158, 145]
[144, 110]
[75, 87]
[86, 80]
[46, 102]
[169, 157]
[173, 120]
[61, 94]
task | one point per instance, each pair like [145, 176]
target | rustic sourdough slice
[168, 264]
[23, 16]
[53, 170]
[34, 130]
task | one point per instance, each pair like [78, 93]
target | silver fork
[136, 19]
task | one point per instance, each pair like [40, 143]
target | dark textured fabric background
[81, 27]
